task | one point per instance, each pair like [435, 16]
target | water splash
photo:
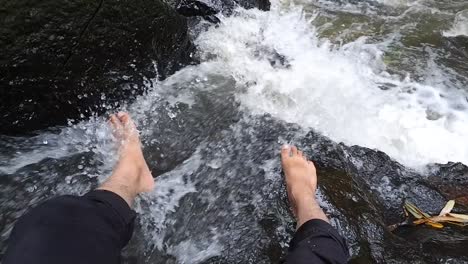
[343, 92]
[460, 25]
[93, 135]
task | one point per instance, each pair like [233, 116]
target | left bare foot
[131, 175]
[131, 155]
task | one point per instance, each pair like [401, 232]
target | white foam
[90, 135]
[164, 199]
[190, 251]
[395, 2]
[460, 25]
[336, 90]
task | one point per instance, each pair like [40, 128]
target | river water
[388, 75]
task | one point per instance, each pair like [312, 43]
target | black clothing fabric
[316, 242]
[91, 229]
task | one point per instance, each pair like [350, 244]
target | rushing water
[387, 75]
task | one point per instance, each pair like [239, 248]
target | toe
[300, 153]
[126, 121]
[285, 150]
[294, 151]
[124, 117]
[115, 121]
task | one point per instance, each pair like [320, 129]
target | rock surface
[67, 59]
[452, 181]
[207, 9]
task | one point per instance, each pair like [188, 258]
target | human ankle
[301, 191]
[308, 208]
[121, 189]
[306, 202]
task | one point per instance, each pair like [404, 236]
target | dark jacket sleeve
[316, 241]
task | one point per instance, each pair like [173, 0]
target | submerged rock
[67, 59]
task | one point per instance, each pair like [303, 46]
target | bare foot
[131, 175]
[300, 173]
[301, 184]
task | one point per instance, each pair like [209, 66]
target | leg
[89, 229]
[315, 241]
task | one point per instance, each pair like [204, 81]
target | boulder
[65, 59]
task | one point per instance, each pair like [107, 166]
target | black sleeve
[71, 229]
[316, 241]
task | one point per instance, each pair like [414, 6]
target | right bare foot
[301, 184]
[131, 175]
[301, 176]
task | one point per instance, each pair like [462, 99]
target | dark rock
[260, 4]
[460, 43]
[364, 189]
[367, 188]
[195, 8]
[67, 59]
[454, 52]
[451, 180]
[207, 10]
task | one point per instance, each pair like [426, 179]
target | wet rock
[446, 243]
[213, 112]
[198, 9]
[455, 53]
[366, 189]
[207, 9]
[67, 59]
[362, 189]
[195, 8]
[458, 44]
[451, 180]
